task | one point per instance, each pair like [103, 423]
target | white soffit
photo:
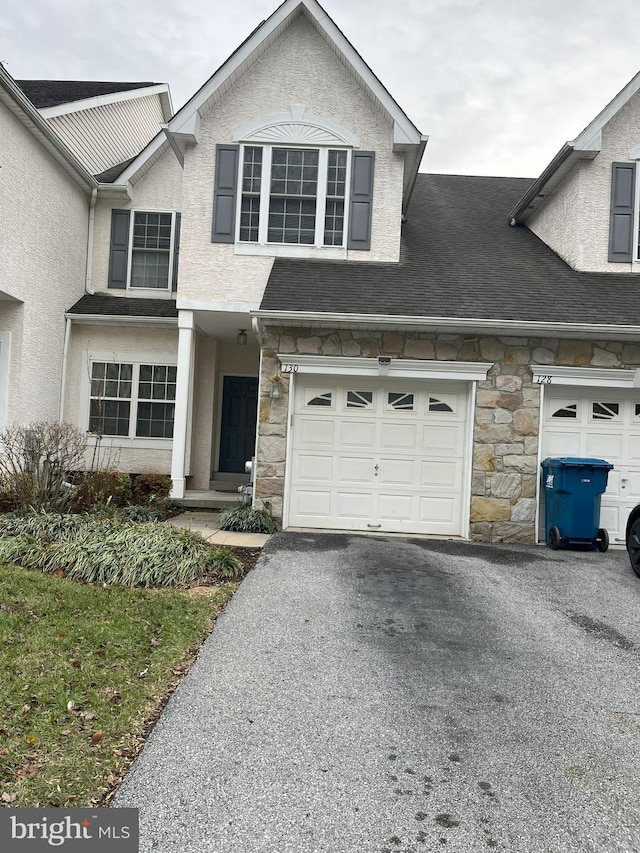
[404, 368]
[596, 377]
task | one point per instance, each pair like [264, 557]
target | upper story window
[294, 196]
[293, 183]
[144, 248]
[151, 249]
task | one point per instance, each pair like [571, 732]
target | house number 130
[289, 368]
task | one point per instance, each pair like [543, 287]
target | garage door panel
[316, 467]
[356, 434]
[634, 446]
[315, 431]
[355, 469]
[443, 439]
[353, 505]
[609, 447]
[395, 507]
[565, 443]
[441, 510]
[400, 436]
[400, 472]
[312, 503]
[441, 475]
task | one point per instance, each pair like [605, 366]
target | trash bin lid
[576, 462]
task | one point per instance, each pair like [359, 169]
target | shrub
[246, 519]
[111, 488]
[34, 464]
[100, 550]
[151, 488]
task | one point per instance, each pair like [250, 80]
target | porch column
[183, 382]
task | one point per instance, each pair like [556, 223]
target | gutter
[466, 324]
[538, 184]
[116, 320]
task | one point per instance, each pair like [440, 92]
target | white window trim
[132, 441]
[263, 246]
[146, 291]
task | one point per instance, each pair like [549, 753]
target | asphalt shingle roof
[118, 306]
[52, 93]
[459, 258]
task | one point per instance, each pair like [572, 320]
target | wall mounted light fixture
[275, 392]
[241, 338]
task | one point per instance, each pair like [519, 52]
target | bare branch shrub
[34, 462]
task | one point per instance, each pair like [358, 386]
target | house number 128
[543, 380]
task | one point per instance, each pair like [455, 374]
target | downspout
[92, 217]
[65, 354]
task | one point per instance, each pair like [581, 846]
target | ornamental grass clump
[93, 549]
[246, 519]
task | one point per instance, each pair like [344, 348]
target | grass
[85, 670]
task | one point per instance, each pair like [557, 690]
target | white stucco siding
[43, 243]
[109, 134]
[159, 189]
[575, 219]
[120, 342]
[299, 68]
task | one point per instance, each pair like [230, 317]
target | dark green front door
[239, 414]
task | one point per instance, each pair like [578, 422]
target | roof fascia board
[118, 320]
[541, 188]
[135, 167]
[472, 324]
[121, 191]
[411, 172]
[29, 116]
[403, 128]
[175, 147]
[104, 100]
[613, 107]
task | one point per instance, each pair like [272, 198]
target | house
[271, 275]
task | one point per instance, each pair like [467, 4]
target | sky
[498, 85]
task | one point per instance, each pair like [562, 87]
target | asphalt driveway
[381, 694]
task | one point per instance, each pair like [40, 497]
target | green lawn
[85, 670]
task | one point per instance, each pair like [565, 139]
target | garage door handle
[374, 525]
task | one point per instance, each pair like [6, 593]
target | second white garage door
[603, 424]
[384, 455]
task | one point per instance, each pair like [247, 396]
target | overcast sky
[498, 85]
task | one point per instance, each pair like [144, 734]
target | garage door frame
[577, 377]
[391, 368]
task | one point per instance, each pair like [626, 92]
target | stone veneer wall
[507, 415]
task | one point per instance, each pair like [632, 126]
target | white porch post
[183, 380]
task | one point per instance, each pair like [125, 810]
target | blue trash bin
[572, 490]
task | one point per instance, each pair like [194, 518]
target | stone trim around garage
[507, 415]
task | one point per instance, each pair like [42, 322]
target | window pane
[109, 417]
[150, 269]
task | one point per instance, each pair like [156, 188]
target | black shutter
[621, 238]
[224, 196]
[119, 249]
[176, 253]
[361, 200]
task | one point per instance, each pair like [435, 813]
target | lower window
[132, 400]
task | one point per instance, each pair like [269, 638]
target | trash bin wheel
[554, 538]
[633, 546]
[602, 542]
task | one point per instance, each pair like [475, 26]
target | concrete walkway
[207, 524]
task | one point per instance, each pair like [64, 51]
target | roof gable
[585, 146]
[184, 126]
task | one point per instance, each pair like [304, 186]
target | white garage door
[603, 424]
[378, 454]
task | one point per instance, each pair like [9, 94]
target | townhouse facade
[271, 276]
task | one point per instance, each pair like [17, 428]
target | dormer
[585, 203]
